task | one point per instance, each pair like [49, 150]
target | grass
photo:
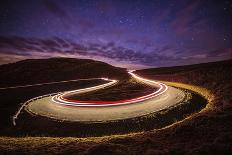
[56, 69]
[207, 132]
[42, 126]
[37, 126]
[11, 98]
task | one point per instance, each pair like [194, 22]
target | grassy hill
[206, 132]
[208, 75]
[55, 69]
[47, 70]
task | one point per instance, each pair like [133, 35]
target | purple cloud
[16, 48]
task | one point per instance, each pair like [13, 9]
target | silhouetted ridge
[33, 71]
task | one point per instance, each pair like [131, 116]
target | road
[15, 117]
[61, 98]
[47, 83]
[58, 107]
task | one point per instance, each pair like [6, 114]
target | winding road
[60, 108]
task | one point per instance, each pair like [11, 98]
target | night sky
[128, 33]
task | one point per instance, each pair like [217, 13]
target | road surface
[47, 83]
[59, 108]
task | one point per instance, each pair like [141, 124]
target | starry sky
[127, 33]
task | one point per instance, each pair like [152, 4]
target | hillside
[208, 75]
[55, 69]
[47, 70]
[206, 132]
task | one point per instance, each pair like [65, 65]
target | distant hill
[181, 69]
[209, 75]
[33, 71]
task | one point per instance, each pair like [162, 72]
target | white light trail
[60, 99]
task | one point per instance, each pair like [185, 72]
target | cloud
[16, 48]
[227, 53]
[11, 57]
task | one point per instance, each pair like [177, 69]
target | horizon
[133, 68]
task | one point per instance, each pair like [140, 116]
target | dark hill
[209, 75]
[207, 132]
[181, 69]
[211, 128]
[34, 71]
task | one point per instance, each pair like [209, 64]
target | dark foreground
[207, 132]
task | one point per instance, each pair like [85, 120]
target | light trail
[60, 99]
[15, 117]
[85, 111]
[48, 83]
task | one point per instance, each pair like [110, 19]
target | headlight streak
[60, 99]
[22, 105]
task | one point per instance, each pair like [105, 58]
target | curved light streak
[60, 99]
